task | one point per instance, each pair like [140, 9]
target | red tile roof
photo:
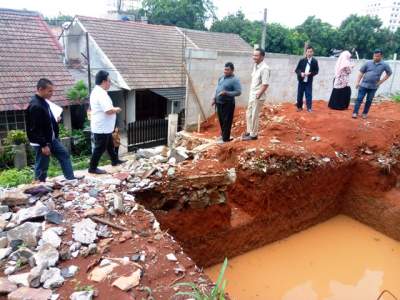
[28, 52]
[152, 56]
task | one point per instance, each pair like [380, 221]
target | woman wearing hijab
[341, 93]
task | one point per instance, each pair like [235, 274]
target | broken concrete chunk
[20, 279]
[6, 286]
[85, 231]
[34, 276]
[51, 278]
[3, 242]
[126, 283]
[36, 212]
[13, 198]
[28, 232]
[54, 217]
[100, 273]
[69, 272]
[5, 252]
[118, 203]
[171, 257]
[97, 211]
[24, 293]
[50, 237]
[46, 256]
[87, 295]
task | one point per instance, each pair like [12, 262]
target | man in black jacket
[42, 131]
[306, 69]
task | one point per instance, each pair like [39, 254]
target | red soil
[304, 189]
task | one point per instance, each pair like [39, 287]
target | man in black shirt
[306, 69]
[42, 131]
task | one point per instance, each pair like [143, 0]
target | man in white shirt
[102, 122]
[259, 84]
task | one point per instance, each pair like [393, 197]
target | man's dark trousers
[304, 88]
[102, 142]
[225, 113]
[42, 161]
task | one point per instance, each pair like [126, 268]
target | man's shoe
[299, 109]
[309, 110]
[245, 134]
[354, 116]
[98, 171]
[364, 116]
[118, 162]
[77, 177]
[249, 138]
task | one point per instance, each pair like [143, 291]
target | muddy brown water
[340, 259]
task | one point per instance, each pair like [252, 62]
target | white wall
[205, 67]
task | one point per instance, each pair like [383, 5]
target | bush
[396, 97]
[16, 137]
[14, 177]
[81, 143]
[64, 133]
[78, 92]
[6, 157]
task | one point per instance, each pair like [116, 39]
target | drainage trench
[227, 214]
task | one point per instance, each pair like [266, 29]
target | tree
[321, 35]
[191, 14]
[364, 33]
[59, 20]
[237, 23]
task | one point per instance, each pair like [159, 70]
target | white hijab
[342, 62]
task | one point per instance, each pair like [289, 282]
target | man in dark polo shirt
[370, 73]
[227, 89]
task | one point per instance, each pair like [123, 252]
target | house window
[11, 120]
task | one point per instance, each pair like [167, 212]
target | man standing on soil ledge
[227, 89]
[306, 69]
[259, 85]
[370, 73]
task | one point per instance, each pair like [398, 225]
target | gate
[147, 133]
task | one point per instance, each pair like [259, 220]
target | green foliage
[14, 177]
[16, 137]
[364, 33]
[396, 97]
[64, 133]
[217, 293]
[78, 92]
[81, 144]
[191, 14]
[83, 288]
[59, 20]
[6, 157]
[322, 36]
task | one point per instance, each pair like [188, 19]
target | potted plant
[78, 94]
[17, 139]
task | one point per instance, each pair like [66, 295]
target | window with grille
[11, 120]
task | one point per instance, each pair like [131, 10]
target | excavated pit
[283, 187]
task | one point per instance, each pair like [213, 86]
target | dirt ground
[303, 169]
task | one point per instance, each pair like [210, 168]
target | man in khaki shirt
[259, 85]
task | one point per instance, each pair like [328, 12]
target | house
[28, 51]
[147, 63]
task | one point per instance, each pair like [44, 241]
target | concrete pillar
[172, 128]
[20, 158]
[67, 118]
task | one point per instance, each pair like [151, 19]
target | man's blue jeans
[362, 91]
[304, 88]
[42, 161]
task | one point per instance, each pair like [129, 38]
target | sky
[289, 13]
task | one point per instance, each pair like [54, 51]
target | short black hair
[262, 51]
[43, 83]
[378, 51]
[309, 47]
[101, 76]
[230, 65]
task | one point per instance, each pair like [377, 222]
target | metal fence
[147, 133]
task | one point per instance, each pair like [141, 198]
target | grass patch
[396, 97]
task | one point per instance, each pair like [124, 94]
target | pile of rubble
[43, 227]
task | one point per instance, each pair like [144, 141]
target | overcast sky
[287, 12]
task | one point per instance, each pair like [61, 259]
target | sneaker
[299, 109]
[77, 177]
[245, 134]
[364, 116]
[97, 171]
[118, 162]
[249, 138]
[309, 110]
[354, 116]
